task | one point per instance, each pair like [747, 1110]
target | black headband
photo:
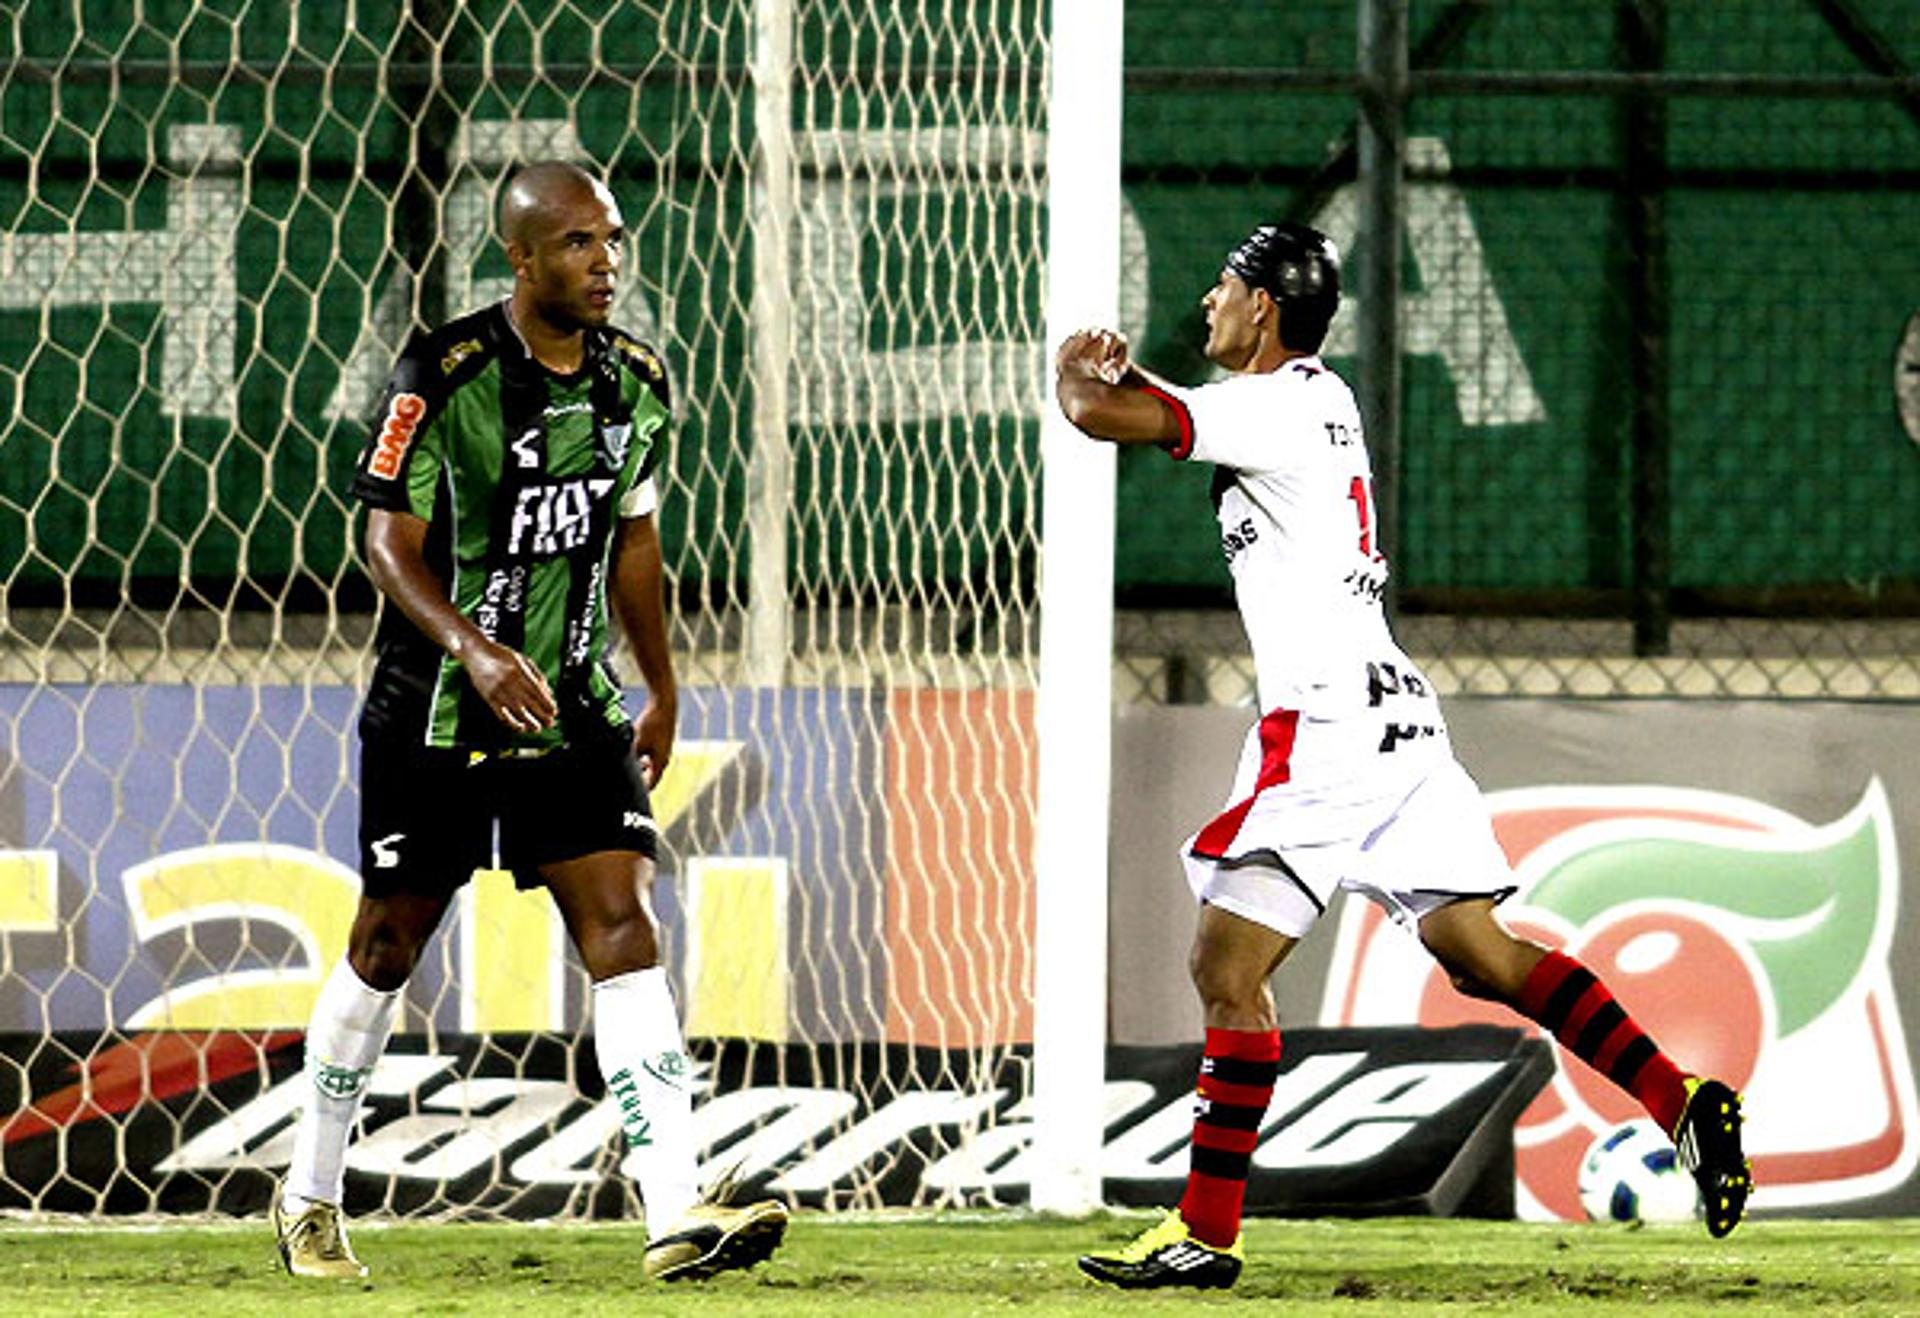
[1288, 260]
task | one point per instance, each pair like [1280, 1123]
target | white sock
[636, 1034]
[348, 1033]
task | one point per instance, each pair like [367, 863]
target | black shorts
[427, 816]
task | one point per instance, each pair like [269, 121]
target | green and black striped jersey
[521, 474]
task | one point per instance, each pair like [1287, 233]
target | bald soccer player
[510, 494]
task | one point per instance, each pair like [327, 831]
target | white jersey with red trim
[1348, 780]
[1294, 493]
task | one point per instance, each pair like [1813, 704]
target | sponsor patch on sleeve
[458, 353]
[645, 359]
[396, 433]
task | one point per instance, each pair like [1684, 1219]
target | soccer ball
[1632, 1174]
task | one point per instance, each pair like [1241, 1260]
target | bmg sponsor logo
[396, 433]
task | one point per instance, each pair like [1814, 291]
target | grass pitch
[984, 1263]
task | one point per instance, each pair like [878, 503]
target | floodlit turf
[977, 1263]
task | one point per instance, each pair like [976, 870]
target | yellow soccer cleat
[1167, 1255]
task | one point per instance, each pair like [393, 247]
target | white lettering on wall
[188, 268]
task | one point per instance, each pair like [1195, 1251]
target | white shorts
[1412, 834]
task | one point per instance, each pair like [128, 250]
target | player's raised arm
[1107, 396]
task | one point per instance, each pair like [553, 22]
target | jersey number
[1360, 490]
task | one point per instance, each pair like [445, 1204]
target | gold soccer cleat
[717, 1237]
[314, 1244]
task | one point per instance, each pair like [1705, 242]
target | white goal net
[217, 226]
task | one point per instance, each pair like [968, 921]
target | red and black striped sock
[1569, 1001]
[1236, 1084]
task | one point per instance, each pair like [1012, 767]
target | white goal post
[1074, 709]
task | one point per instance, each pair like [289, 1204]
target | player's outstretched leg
[1707, 1137]
[1570, 1002]
[1702, 1115]
[1165, 1255]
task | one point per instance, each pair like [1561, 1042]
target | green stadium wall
[133, 452]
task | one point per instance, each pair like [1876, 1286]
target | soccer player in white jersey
[1348, 779]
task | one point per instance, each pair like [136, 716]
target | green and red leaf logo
[1751, 944]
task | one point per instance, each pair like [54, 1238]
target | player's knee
[1224, 987]
[1491, 971]
[384, 955]
[387, 936]
[617, 943]
[1459, 968]
[1472, 986]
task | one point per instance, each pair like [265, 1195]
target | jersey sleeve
[399, 466]
[650, 461]
[1243, 422]
[646, 373]
[650, 395]
[641, 500]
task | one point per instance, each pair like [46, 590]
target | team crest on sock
[340, 1081]
[669, 1068]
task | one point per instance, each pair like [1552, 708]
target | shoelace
[329, 1242]
[1168, 1232]
[720, 1193]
